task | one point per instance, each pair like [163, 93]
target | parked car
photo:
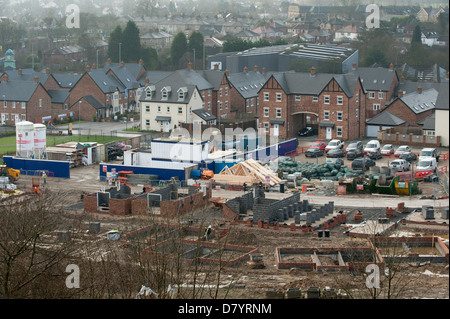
[427, 164]
[334, 144]
[319, 144]
[429, 153]
[314, 152]
[388, 149]
[375, 155]
[352, 154]
[337, 152]
[372, 146]
[402, 149]
[400, 164]
[306, 131]
[362, 163]
[408, 156]
[354, 145]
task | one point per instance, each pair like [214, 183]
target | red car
[319, 144]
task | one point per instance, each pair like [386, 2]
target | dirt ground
[422, 281]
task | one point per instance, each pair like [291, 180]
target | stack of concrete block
[428, 212]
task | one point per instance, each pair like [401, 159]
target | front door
[275, 130]
[328, 133]
[166, 126]
[3, 118]
[16, 118]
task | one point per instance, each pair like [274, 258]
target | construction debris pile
[249, 172]
[311, 171]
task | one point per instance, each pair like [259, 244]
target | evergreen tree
[131, 44]
[115, 38]
[417, 36]
[150, 58]
[178, 48]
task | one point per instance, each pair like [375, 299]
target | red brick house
[287, 101]
[218, 99]
[23, 101]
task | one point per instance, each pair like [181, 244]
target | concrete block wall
[271, 212]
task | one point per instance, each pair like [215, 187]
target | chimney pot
[88, 68]
[108, 61]
[141, 61]
[419, 89]
[216, 66]
[36, 78]
[402, 79]
[147, 80]
[94, 66]
[245, 69]
[353, 66]
[189, 65]
[255, 68]
[47, 70]
[227, 72]
[391, 66]
[6, 77]
[122, 64]
[263, 70]
[19, 71]
[400, 93]
[313, 71]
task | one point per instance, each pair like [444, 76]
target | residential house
[220, 103]
[347, 33]
[413, 107]
[380, 84]
[158, 40]
[65, 57]
[382, 121]
[170, 103]
[289, 101]
[23, 101]
[429, 14]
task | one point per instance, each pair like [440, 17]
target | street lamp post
[120, 52]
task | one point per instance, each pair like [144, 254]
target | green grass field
[8, 144]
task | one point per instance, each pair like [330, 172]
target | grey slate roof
[154, 76]
[205, 115]
[213, 76]
[20, 91]
[376, 79]
[429, 122]
[192, 77]
[93, 101]
[107, 83]
[59, 96]
[420, 102]
[66, 80]
[385, 118]
[27, 75]
[442, 100]
[247, 83]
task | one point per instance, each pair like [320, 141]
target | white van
[427, 164]
[372, 146]
[427, 153]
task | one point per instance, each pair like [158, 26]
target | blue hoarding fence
[34, 167]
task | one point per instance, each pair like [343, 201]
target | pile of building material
[249, 172]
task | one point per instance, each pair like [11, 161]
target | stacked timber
[249, 172]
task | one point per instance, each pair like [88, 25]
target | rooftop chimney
[354, 66]
[400, 93]
[19, 71]
[216, 66]
[147, 80]
[122, 64]
[263, 70]
[88, 68]
[189, 66]
[108, 61]
[6, 76]
[245, 69]
[313, 71]
[94, 66]
[47, 70]
[141, 61]
[36, 79]
[391, 66]
[255, 68]
[419, 89]
[402, 79]
[227, 72]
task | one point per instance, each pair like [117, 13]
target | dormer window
[149, 91]
[165, 92]
[182, 93]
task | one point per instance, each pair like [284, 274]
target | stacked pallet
[249, 172]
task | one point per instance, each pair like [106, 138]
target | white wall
[441, 126]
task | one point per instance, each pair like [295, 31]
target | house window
[257, 100]
[356, 112]
[315, 98]
[180, 110]
[247, 104]
[220, 106]
[23, 105]
[147, 108]
[371, 95]
[66, 106]
[278, 97]
[226, 104]
[209, 92]
[159, 108]
[380, 95]
[226, 91]
[164, 94]
[266, 112]
[278, 114]
[148, 93]
[168, 109]
[357, 97]
[339, 131]
[14, 104]
[340, 100]
[339, 116]
[266, 96]
[252, 102]
[220, 92]
[376, 107]
[266, 127]
[297, 98]
[23, 117]
[147, 122]
[209, 105]
[180, 95]
[326, 99]
[203, 93]
[40, 102]
[326, 115]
